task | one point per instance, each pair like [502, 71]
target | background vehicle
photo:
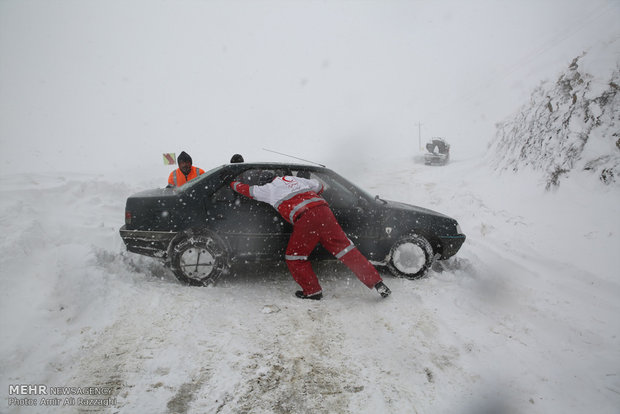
[203, 227]
[438, 152]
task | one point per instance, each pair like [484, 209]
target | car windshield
[361, 192]
[339, 191]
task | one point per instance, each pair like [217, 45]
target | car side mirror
[379, 199]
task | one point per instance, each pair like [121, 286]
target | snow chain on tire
[411, 257]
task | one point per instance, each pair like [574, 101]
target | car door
[355, 213]
[252, 228]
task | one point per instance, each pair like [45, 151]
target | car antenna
[297, 158]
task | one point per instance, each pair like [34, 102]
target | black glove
[226, 177]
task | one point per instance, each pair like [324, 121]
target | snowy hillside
[523, 320]
[569, 126]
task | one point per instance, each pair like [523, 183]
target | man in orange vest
[185, 172]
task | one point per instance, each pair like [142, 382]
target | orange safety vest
[177, 178]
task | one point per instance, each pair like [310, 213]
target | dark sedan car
[203, 227]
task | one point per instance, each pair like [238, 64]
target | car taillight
[127, 217]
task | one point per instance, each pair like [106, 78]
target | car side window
[225, 194]
[251, 177]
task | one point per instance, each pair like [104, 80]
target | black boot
[314, 296]
[383, 290]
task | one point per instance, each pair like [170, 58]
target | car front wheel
[199, 259]
[411, 257]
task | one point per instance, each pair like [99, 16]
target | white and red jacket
[291, 196]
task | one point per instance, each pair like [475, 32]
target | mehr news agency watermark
[39, 395]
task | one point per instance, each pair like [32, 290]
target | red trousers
[318, 225]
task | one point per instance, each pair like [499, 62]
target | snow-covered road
[523, 320]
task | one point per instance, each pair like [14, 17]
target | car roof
[266, 165]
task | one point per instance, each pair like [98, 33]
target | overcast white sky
[93, 85]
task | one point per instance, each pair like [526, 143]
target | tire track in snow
[300, 366]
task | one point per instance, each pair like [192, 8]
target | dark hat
[184, 156]
[236, 158]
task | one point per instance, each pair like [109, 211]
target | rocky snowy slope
[569, 126]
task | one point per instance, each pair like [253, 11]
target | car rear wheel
[411, 257]
[199, 259]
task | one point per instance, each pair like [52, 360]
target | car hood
[396, 205]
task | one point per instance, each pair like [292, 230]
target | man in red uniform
[185, 172]
[299, 202]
